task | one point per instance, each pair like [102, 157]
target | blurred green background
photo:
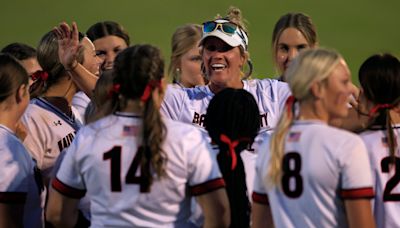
[356, 28]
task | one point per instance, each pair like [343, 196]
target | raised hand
[68, 44]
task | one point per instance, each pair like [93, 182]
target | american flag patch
[294, 136]
[130, 131]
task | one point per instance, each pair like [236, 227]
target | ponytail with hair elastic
[139, 70]
[277, 145]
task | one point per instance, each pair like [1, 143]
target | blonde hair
[183, 39]
[235, 15]
[314, 65]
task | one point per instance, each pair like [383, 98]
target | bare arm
[359, 213]
[68, 49]
[261, 216]
[61, 211]
[11, 215]
[215, 207]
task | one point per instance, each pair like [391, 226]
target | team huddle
[94, 137]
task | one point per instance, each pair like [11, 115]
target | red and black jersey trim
[67, 190]
[357, 193]
[260, 198]
[13, 197]
[207, 187]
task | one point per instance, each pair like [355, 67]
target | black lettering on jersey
[199, 119]
[263, 120]
[66, 141]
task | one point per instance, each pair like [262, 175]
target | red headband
[152, 84]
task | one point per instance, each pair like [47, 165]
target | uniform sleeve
[259, 194]
[35, 140]
[172, 103]
[356, 178]
[80, 102]
[15, 173]
[69, 181]
[204, 173]
[283, 93]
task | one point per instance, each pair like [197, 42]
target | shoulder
[176, 130]
[338, 138]
[271, 88]
[80, 97]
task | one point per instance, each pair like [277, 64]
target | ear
[22, 91]
[317, 89]
[244, 58]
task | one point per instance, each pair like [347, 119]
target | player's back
[321, 165]
[386, 177]
[18, 183]
[106, 156]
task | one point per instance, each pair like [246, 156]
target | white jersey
[324, 166]
[385, 176]
[189, 105]
[104, 151]
[80, 102]
[48, 133]
[17, 180]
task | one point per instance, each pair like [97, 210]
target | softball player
[144, 165]
[224, 53]
[20, 195]
[315, 175]
[232, 124]
[50, 120]
[379, 77]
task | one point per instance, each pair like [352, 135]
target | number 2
[392, 182]
[114, 155]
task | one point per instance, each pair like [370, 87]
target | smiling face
[222, 63]
[289, 44]
[107, 48]
[90, 60]
[337, 90]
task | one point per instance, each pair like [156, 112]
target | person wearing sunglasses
[224, 59]
[225, 54]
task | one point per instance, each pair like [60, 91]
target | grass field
[356, 29]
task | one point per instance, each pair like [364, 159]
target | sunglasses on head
[228, 28]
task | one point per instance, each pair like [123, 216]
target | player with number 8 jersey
[138, 169]
[311, 174]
